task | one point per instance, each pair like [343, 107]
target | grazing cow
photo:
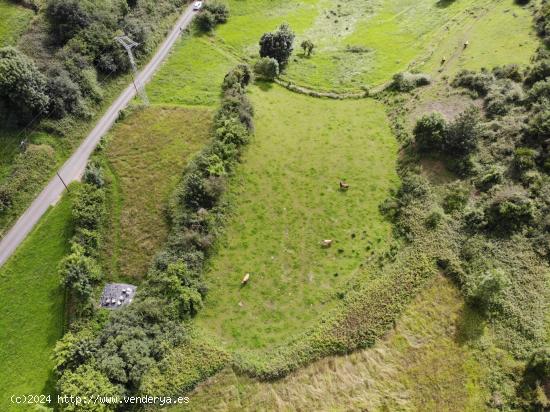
[466, 43]
[245, 279]
[326, 243]
[344, 186]
[443, 60]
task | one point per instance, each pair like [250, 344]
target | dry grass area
[423, 364]
[146, 153]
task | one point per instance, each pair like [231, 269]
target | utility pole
[129, 44]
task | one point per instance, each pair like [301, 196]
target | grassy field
[14, 19]
[192, 75]
[286, 201]
[31, 303]
[146, 154]
[361, 45]
[426, 363]
[499, 35]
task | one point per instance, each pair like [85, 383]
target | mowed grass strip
[31, 307]
[14, 19]
[287, 200]
[146, 154]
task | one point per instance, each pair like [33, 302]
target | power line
[129, 44]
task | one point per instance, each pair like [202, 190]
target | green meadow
[32, 307]
[286, 200]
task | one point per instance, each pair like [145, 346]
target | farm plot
[286, 201]
[146, 155]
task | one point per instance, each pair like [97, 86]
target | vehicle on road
[197, 5]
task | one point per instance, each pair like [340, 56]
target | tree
[485, 291]
[220, 11]
[278, 45]
[68, 17]
[79, 272]
[308, 47]
[205, 21]
[267, 68]
[22, 86]
[86, 382]
[429, 132]
[463, 133]
[64, 94]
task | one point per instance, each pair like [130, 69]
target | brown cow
[344, 185]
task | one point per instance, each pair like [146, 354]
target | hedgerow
[119, 349]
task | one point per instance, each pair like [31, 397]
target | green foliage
[88, 207]
[406, 82]
[509, 211]
[87, 382]
[484, 290]
[430, 132]
[278, 45]
[79, 273]
[27, 175]
[267, 68]
[205, 21]
[220, 11]
[308, 46]
[463, 133]
[524, 158]
[22, 86]
[64, 94]
[477, 82]
[456, 197]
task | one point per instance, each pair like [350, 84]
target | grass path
[31, 304]
[286, 200]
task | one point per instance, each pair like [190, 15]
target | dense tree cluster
[213, 13]
[278, 45]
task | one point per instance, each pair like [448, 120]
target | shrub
[493, 176]
[220, 11]
[524, 158]
[239, 76]
[278, 45]
[429, 132]
[79, 273]
[456, 197]
[307, 46]
[22, 86]
[405, 82]
[485, 290]
[434, 218]
[509, 71]
[509, 211]
[502, 95]
[539, 71]
[87, 382]
[93, 174]
[63, 93]
[478, 83]
[267, 68]
[463, 133]
[68, 17]
[205, 21]
[88, 206]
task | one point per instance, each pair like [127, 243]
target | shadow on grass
[444, 3]
[470, 325]
[264, 85]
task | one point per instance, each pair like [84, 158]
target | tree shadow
[263, 85]
[470, 325]
[444, 3]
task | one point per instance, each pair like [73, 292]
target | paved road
[74, 167]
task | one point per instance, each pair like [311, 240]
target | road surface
[74, 167]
